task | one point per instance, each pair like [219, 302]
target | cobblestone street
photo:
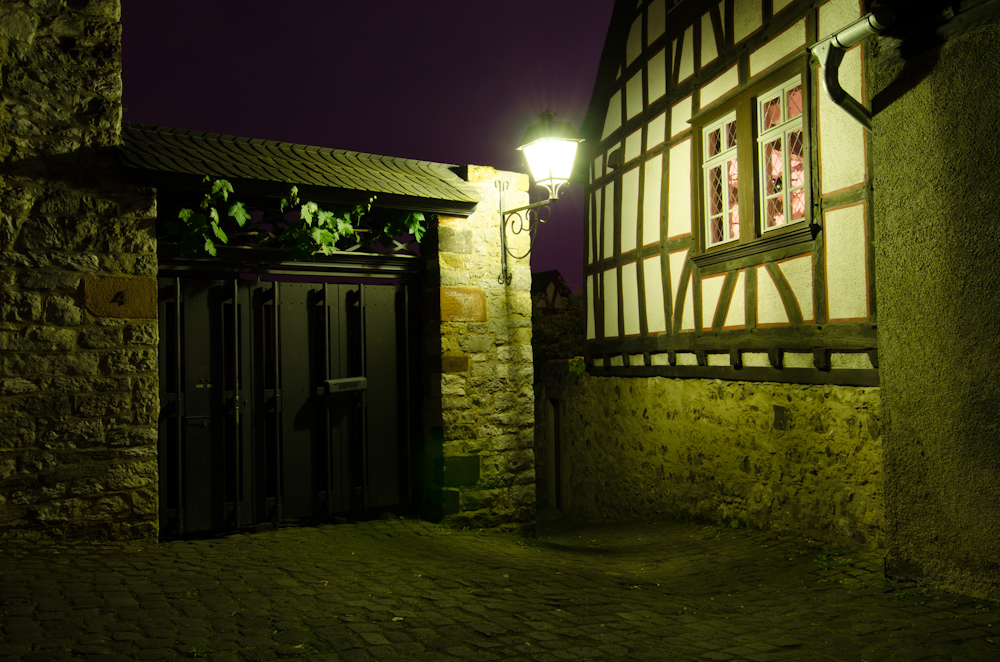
[408, 590]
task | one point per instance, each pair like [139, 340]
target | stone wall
[479, 456]
[937, 238]
[787, 457]
[78, 334]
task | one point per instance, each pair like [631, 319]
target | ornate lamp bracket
[518, 220]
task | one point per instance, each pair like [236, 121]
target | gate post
[478, 455]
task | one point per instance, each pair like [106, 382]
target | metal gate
[281, 401]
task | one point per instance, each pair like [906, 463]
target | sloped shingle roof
[423, 183]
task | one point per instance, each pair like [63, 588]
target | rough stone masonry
[78, 334]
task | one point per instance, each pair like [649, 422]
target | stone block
[452, 239]
[452, 384]
[474, 344]
[454, 363]
[124, 297]
[130, 361]
[101, 337]
[141, 334]
[455, 402]
[48, 280]
[18, 26]
[61, 309]
[463, 304]
[17, 431]
[21, 307]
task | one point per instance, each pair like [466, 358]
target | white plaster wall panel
[676, 261]
[613, 119]
[686, 55]
[609, 221]
[656, 20]
[836, 14]
[736, 316]
[716, 88]
[652, 275]
[633, 96]
[659, 359]
[747, 19]
[799, 274]
[709, 50]
[850, 361]
[687, 314]
[656, 76]
[755, 360]
[770, 309]
[633, 145]
[616, 361]
[652, 185]
[590, 308]
[778, 5]
[633, 47]
[679, 190]
[599, 361]
[718, 359]
[846, 263]
[680, 116]
[711, 290]
[599, 166]
[687, 358]
[797, 360]
[636, 359]
[656, 131]
[595, 245]
[841, 137]
[630, 299]
[791, 40]
[611, 303]
[630, 209]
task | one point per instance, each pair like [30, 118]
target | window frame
[753, 239]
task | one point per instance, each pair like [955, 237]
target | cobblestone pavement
[407, 590]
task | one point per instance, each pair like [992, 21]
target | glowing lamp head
[550, 149]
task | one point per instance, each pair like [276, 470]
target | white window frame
[727, 153]
[781, 131]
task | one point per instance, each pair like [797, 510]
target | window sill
[769, 242]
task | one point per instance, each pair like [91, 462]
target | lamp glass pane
[550, 160]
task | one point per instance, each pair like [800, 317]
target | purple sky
[454, 81]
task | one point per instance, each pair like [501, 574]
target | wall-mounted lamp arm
[520, 219]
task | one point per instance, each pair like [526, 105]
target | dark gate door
[280, 401]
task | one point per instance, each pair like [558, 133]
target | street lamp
[550, 149]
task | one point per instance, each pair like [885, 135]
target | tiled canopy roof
[422, 183]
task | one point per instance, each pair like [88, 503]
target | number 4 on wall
[119, 298]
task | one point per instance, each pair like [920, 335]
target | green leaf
[209, 247]
[323, 217]
[222, 187]
[239, 212]
[307, 211]
[220, 233]
[185, 214]
[213, 214]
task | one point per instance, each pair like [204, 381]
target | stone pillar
[480, 457]
[78, 332]
[936, 156]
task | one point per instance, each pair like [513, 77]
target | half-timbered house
[736, 236]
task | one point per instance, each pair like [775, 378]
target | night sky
[453, 81]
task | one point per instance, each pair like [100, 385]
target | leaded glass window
[721, 167]
[782, 155]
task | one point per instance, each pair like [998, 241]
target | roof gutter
[829, 53]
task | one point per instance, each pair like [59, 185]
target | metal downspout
[829, 53]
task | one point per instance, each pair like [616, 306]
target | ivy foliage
[303, 227]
